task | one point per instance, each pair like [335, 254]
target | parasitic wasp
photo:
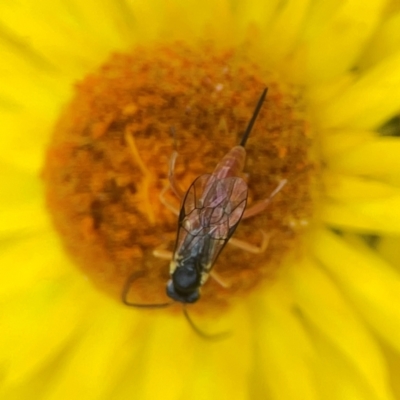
[211, 210]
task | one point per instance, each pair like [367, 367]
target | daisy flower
[95, 99]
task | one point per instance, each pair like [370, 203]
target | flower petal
[112, 338]
[249, 13]
[164, 361]
[30, 261]
[361, 204]
[378, 158]
[370, 283]
[21, 204]
[23, 220]
[37, 324]
[373, 217]
[370, 101]
[38, 98]
[66, 35]
[336, 143]
[217, 364]
[178, 21]
[336, 35]
[389, 248]
[177, 363]
[17, 185]
[288, 34]
[336, 376]
[393, 362]
[341, 216]
[356, 190]
[323, 305]
[25, 148]
[284, 351]
[384, 43]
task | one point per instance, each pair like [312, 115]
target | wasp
[210, 212]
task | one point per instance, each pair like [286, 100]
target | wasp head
[185, 282]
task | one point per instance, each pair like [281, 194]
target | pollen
[108, 161]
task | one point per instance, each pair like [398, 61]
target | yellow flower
[325, 324]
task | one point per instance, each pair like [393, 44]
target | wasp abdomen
[232, 164]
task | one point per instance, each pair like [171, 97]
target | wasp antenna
[173, 134]
[253, 118]
[125, 291]
[206, 336]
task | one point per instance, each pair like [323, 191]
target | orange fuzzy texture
[108, 162]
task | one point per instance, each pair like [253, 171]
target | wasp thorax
[109, 158]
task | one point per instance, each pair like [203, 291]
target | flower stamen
[108, 163]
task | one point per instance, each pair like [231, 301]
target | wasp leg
[172, 181]
[263, 204]
[162, 253]
[173, 185]
[166, 203]
[251, 248]
[147, 176]
[217, 278]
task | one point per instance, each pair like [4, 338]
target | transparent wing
[211, 211]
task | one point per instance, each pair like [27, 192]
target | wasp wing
[211, 210]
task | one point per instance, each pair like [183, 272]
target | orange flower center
[108, 160]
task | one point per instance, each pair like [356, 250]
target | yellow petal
[354, 190]
[384, 43]
[370, 101]
[108, 349]
[168, 347]
[319, 95]
[16, 185]
[393, 362]
[26, 137]
[217, 364]
[21, 203]
[369, 282]
[323, 305]
[41, 96]
[374, 217]
[68, 32]
[250, 13]
[361, 204]
[343, 216]
[283, 36]
[336, 143]
[184, 364]
[23, 220]
[29, 261]
[337, 35]
[111, 28]
[176, 20]
[37, 324]
[379, 158]
[389, 248]
[284, 351]
[336, 377]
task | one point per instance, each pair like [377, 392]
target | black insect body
[211, 210]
